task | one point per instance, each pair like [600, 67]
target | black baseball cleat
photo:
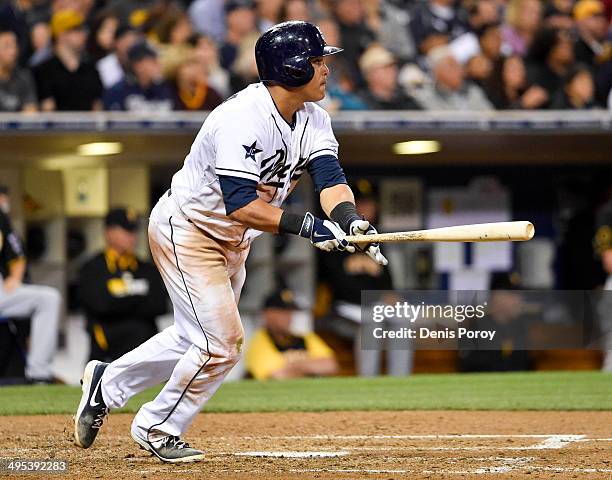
[92, 409]
[170, 449]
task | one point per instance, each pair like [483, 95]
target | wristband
[291, 223]
[344, 214]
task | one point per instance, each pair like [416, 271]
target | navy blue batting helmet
[283, 53]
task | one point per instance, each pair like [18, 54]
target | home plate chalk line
[492, 464]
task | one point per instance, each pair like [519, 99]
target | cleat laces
[175, 442]
[99, 418]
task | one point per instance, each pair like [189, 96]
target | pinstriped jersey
[247, 137]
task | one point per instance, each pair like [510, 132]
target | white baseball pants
[204, 278]
[43, 305]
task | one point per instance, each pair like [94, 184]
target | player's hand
[325, 234]
[372, 250]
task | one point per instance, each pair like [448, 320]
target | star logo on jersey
[251, 151]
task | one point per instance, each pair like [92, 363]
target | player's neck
[287, 102]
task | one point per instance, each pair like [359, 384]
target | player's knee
[231, 349]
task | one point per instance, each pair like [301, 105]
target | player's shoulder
[245, 109]
[318, 114]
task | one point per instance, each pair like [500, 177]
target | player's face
[121, 240]
[315, 89]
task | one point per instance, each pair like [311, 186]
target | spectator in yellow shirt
[274, 352]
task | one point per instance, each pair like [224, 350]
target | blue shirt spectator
[144, 90]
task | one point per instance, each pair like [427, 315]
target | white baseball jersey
[247, 137]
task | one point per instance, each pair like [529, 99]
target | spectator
[390, 24]
[16, 15]
[507, 87]
[67, 81]
[593, 47]
[17, 91]
[114, 66]
[276, 353]
[269, 13]
[120, 293]
[173, 32]
[355, 36]
[379, 68]
[143, 91]
[208, 18]
[206, 52]
[241, 21]
[40, 303]
[42, 46]
[449, 90]
[549, 60]
[102, 35]
[523, 18]
[437, 22]
[174, 28]
[578, 90]
[244, 69]
[480, 66]
[490, 41]
[192, 89]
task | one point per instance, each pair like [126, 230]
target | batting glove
[372, 250]
[325, 234]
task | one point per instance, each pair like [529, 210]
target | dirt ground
[344, 445]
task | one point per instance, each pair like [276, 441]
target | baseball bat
[480, 232]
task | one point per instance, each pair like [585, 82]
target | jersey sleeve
[325, 143]
[238, 147]
[323, 165]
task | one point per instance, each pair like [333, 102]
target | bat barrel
[483, 232]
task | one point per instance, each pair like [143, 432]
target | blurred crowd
[163, 55]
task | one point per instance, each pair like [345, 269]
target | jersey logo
[251, 151]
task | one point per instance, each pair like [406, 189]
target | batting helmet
[283, 53]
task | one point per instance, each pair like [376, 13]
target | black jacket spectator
[68, 81]
[71, 90]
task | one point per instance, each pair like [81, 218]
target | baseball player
[244, 162]
[41, 303]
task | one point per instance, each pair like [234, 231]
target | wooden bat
[480, 232]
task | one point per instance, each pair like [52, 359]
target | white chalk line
[410, 437]
[475, 471]
[294, 454]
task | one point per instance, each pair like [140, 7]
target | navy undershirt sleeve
[237, 192]
[325, 172]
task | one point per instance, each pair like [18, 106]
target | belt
[224, 244]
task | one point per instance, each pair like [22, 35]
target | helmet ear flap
[299, 69]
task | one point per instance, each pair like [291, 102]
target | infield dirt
[381, 445]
